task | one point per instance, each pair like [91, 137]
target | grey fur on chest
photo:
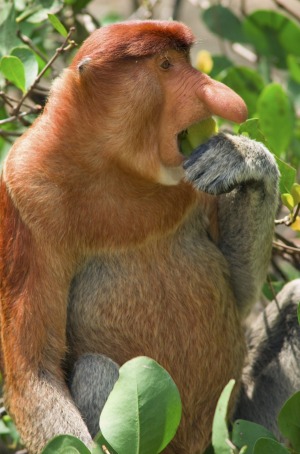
[174, 270]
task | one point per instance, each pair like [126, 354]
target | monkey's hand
[244, 176]
[226, 162]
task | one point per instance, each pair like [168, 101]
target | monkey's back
[165, 300]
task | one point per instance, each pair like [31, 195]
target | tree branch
[66, 45]
[289, 219]
[32, 46]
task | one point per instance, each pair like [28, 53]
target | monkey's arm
[244, 174]
[33, 319]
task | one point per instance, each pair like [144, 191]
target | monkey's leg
[244, 174]
[91, 382]
[273, 371]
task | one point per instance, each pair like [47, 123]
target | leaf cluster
[246, 437]
[141, 415]
[269, 82]
[33, 34]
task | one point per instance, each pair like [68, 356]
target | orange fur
[86, 180]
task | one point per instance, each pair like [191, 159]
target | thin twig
[4, 133]
[272, 290]
[282, 4]
[232, 447]
[295, 214]
[284, 240]
[277, 268]
[145, 11]
[282, 220]
[289, 220]
[243, 8]
[33, 110]
[93, 18]
[288, 249]
[41, 89]
[6, 99]
[13, 118]
[176, 9]
[9, 100]
[58, 51]
[32, 46]
[7, 139]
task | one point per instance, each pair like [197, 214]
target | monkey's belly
[171, 304]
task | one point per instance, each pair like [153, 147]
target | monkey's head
[134, 83]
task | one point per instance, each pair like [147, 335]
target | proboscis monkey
[110, 249]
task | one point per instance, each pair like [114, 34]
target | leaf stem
[289, 219]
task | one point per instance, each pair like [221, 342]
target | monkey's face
[189, 96]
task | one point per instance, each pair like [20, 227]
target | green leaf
[243, 450]
[77, 5]
[30, 63]
[13, 433]
[57, 25]
[294, 67]
[65, 444]
[8, 28]
[224, 23]
[100, 443]
[288, 201]
[219, 430]
[184, 144]
[288, 175]
[273, 35]
[4, 430]
[289, 420]
[209, 450]
[298, 313]
[269, 291]
[201, 132]
[28, 12]
[252, 128]
[295, 191]
[98, 450]
[246, 82]
[13, 70]
[39, 11]
[246, 433]
[220, 62]
[143, 411]
[268, 446]
[20, 5]
[277, 117]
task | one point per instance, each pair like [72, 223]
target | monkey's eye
[166, 64]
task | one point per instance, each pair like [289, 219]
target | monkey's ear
[83, 64]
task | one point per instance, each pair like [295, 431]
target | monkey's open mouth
[182, 134]
[182, 143]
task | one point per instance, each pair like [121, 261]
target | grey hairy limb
[244, 174]
[272, 373]
[92, 379]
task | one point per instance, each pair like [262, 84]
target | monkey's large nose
[221, 100]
